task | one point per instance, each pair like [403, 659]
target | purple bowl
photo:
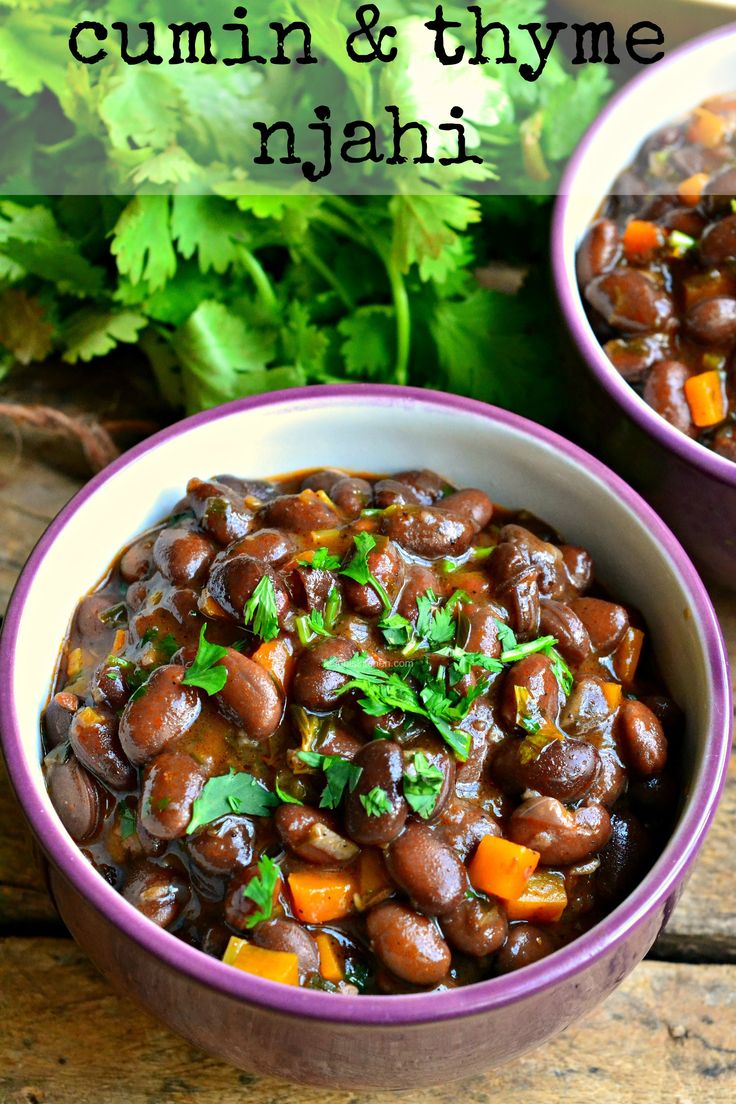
[319, 1038]
[692, 487]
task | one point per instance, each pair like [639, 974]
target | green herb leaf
[561, 671]
[261, 611]
[310, 625]
[234, 792]
[322, 560]
[359, 570]
[506, 635]
[339, 774]
[423, 783]
[260, 890]
[115, 616]
[286, 798]
[397, 630]
[128, 822]
[376, 802]
[207, 672]
[520, 651]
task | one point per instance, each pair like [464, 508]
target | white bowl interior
[669, 91]
[371, 434]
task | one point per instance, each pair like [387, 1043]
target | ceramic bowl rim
[482, 997]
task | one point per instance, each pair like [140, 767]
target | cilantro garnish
[397, 630]
[359, 569]
[561, 671]
[376, 802]
[321, 560]
[310, 625]
[260, 890]
[506, 635]
[332, 608]
[207, 672]
[339, 774]
[540, 731]
[128, 822]
[358, 974]
[520, 651]
[423, 782]
[261, 611]
[435, 626]
[116, 616]
[286, 798]
[234, 792]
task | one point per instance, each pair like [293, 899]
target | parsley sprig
[206, 671]
[340, 774]
[321, 560]
[423, 783]
[234, 792]
[359, 569]
[260, 890]
[261, 613]
[376, 802]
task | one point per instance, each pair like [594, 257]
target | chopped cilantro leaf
[260, 890]
[561, 671]
[397, 630]
[236, 792]
[286, 798]
[332, 608]
[423, 783]
[207, 672]
[339, 774]
[261, 611]
[321, 560]
[376, 802]
[506, 636]
[310, 625]
[359, 568]
[128, 822]
[116, 616]
[520, 651]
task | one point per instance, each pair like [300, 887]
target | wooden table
[667, 1036]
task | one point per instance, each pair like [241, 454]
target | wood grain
[67, 1039]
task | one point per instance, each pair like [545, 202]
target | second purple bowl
[691, 487]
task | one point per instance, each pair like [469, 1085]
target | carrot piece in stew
[330, 965]
[707, 128]
[543, 901]
[642, 240]
[273, 965]
[706, 399]
[502, 868]
[322, 895]
[691, 190]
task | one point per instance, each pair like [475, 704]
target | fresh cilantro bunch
[225, 295]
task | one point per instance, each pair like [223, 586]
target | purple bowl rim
[475, 999]
[715, 466]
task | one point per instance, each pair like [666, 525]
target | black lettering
[374, 42]
[266, 133]
[192, 31]
[528, 72]
[462, 153]
[439, 25]
[100, 33]
[480, 33]
[370, 140]
[596, 32]
[398, 134]
[245, 54]
[309, 168]
[149, 55]
[282, 33]
[632, 42]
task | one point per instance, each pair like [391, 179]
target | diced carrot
[119, 642]
[706, 398]
[330, 966]
[319, 896]
[474, 583]
[543, 901]
[612, 692]
[273, 965]
[277, 657]
[642, 240]
[691, 190]
[502, 868]
[626, 656]
[707, 128]
[374, 884]
[75, 663]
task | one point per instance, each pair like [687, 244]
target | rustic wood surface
[67, 1038]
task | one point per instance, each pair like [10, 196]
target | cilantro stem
[326, 273]
[263, 285]
[402, 311]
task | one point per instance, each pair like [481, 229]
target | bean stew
[657, 271]
[363, 734]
